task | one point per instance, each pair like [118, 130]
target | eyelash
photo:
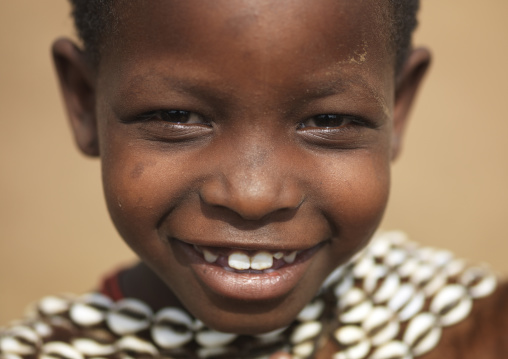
[322, 121]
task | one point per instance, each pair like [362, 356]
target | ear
[408, 83]
[77, 85]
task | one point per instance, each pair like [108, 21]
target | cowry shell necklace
[392, 300]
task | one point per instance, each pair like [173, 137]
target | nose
[254, 186]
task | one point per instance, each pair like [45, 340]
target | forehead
[270, 41]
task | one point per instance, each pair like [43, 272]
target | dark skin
[247, 125]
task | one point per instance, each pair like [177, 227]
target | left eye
[175, 116]
[328, 121]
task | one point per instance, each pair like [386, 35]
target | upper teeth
[242, 261]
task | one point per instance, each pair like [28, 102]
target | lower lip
[248, 286]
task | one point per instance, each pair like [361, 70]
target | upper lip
[250, 246]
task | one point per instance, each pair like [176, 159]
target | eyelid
[351, 120]
[157, 116]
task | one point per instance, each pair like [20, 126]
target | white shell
[403, 295]
[453, 294]
[19, 340]
[163, 332]
[455, 267]
[349, 334]
[86, 315]
[304, 349]
[424, 324]
[344, 285]
[305, 332]
[42, 329]
[358, 351]
[441, 257]
[311, 311]
[392, 350]
[414, 306]
[61, 350]
[436, 283]
[357, 313]
[334, 276]
[395, 258]
[271, 336]
[132, 343]
[363, 267]
[395, 237]
[212, 338]
[52, 305]
[10, 356]
[122, 323]
[380, 247]
[372, 279]
[486, 282]
[387, 288]
[384, 322]
[90, 347]
[408, 268]
[422, 274]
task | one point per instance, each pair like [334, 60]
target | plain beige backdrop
[450, 187]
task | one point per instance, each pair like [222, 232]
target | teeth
[209, 256]
[261, 261]
[290, 258]
[278, 255]
[239, 261]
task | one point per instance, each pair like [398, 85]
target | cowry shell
[479, 281]
[383, 325]
[344, 285]
[387, 288]
[334, 277]
[172, 328]
[451, 304]
[131, 343]
[402, 296]
[212, 338]
[90, 347]
[305, 331]
[349, 334]
[42, 329]
[412, 307]
[357, 351]
[379, 247]
[395, 237]
[59, 350]
[128, 316]
[455, 267]
[392, 350]
[354, 306]
[441, 258]
[90, 309]
[10, 356]
[422, 333]
[437, 282]
[13, 345]
[395, 257]
[52, 305]
[311, 311]
[422, 274]
[363, 267]
[271, 336]
[304, 349]
[372, 279]
[408, 268]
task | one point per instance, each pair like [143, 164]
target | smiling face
[236, 133]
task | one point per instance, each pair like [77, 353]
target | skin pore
[242, 126]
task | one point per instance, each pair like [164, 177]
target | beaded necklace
[392, 300]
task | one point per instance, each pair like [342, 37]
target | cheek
[355, 191]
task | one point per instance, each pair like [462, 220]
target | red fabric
[110, 286]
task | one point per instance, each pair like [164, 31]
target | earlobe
[77, 86]
[408, 83]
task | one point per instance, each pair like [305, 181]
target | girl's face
[231, 128]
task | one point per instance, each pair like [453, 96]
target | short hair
[94, 19]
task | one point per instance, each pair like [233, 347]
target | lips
[247, 274]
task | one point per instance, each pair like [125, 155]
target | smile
[257, 262]
[247, 274]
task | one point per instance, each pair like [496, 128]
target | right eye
[179, 117]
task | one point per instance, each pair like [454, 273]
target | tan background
[450, 186]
